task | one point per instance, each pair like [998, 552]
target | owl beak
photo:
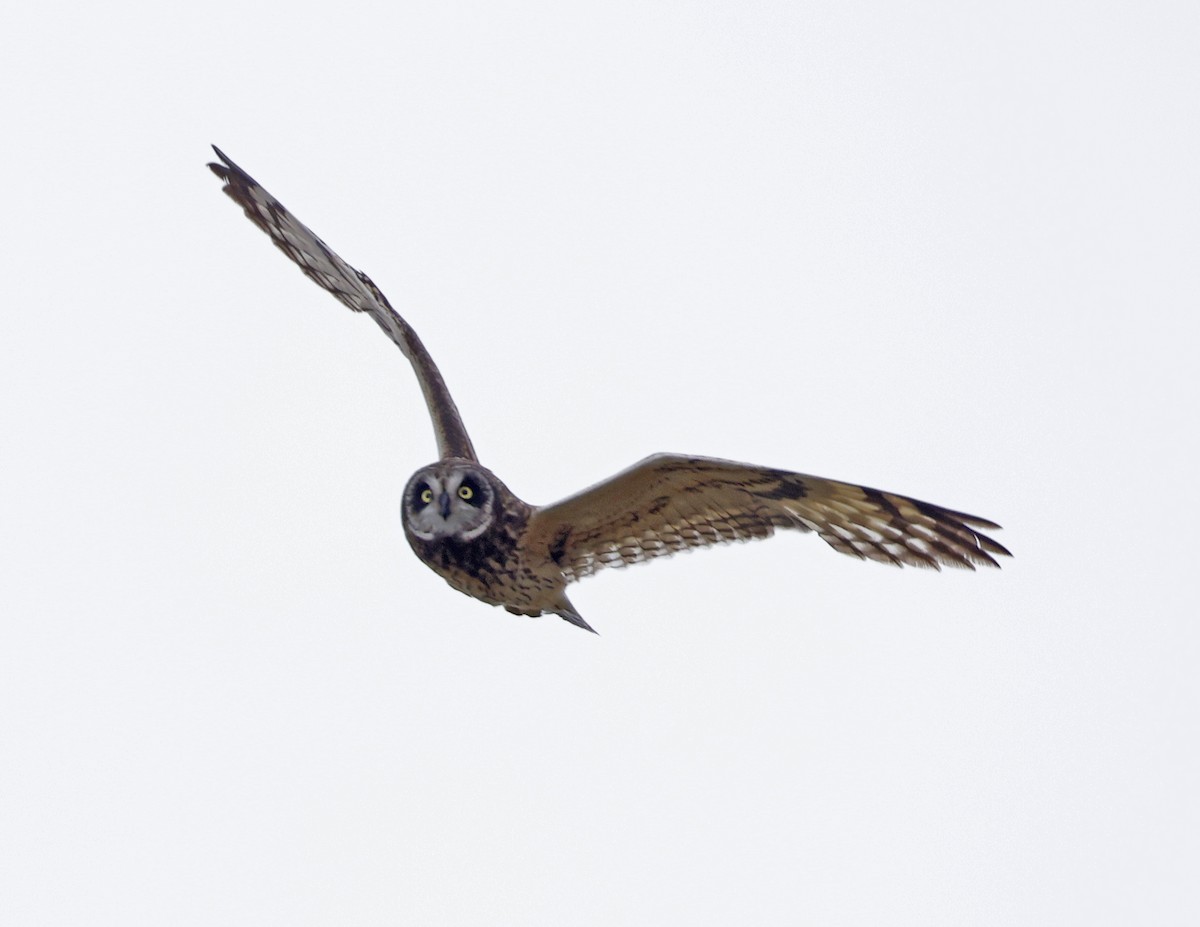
[444, 505]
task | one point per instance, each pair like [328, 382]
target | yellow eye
[427, 495]
[465, 492]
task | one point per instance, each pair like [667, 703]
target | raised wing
[667, 503]
[354, 288]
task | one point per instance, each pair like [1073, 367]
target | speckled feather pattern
[487, 567]
[667, 504]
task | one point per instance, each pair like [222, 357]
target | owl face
[449, 499]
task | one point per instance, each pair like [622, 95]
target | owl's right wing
[354, 288]
[668, 503]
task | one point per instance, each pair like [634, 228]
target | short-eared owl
[466, 525]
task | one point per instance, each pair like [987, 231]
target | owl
[469, 528]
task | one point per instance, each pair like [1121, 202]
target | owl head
[452, 498]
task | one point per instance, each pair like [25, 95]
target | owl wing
[354, 288]
[668, 503]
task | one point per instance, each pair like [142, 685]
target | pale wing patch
[889, 528]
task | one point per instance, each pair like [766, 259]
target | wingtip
[228, 169]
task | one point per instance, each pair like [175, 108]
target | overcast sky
[945, 249]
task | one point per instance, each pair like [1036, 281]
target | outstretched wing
[667, 503]
[354, 288]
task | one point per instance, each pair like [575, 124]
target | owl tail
[566, 611]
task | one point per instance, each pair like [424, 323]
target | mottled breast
[490, 567]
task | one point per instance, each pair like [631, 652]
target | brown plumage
[669, 503]
[468, 527]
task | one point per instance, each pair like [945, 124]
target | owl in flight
[466, 525]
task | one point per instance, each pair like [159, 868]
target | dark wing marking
[668, 503]
[354, 288]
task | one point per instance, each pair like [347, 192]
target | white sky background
[948, 250]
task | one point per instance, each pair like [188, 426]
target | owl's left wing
[354, 288]
[668, 503]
